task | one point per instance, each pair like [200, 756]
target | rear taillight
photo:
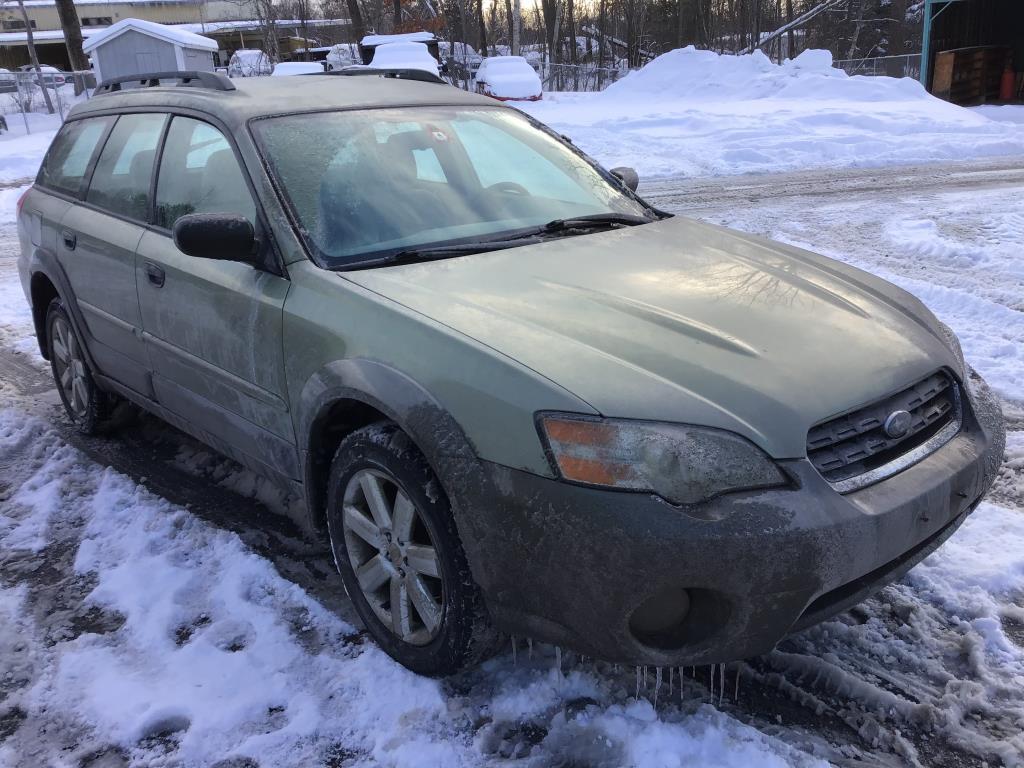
[21, 200]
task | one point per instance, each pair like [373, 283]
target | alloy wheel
[393, 556]
[70, 369]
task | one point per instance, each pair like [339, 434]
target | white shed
[136, 46]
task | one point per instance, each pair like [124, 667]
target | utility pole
[31, 41]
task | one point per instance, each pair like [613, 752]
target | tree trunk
[31, 41]
[571, 13]
[73, 41]
[790, 37]
[482, 42]
[355, 15]
[398, 16]
[517, 20]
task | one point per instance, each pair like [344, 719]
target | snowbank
[699, 113]
[21, 153]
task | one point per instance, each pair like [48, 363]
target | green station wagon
[517, 399]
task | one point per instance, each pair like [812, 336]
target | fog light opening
[659, 621]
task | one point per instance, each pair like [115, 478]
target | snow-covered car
[249, 62]
[287, 68]
[342, 56]
[52, 76]
[508, 78]
[404, 56]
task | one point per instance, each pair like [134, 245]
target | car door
[213, 328]
[97, 242]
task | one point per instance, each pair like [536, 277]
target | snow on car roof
[406, 37]
[286, 68]
[404, 56]
[161, 31]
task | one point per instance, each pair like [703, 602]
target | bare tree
[73, 40]
[33, 56]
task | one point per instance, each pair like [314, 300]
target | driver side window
[199, 173]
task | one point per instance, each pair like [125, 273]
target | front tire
[399, 555]
[87, 406]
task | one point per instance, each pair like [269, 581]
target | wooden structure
[967, 45]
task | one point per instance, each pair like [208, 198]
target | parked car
[342, 56]
[404, 56]
[516, 397]
[52, 77]
[8, 81]
[287, 68]
[249, 62]
[508, 78]
[460, 57]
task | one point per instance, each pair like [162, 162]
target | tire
[89, 408]
[373, 469]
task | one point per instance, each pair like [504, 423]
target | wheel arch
[347, 395]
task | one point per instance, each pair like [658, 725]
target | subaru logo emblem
[897, 424]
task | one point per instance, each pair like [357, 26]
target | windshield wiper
[595, 220]
[429, 253]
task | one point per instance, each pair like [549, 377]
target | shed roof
[175, 36]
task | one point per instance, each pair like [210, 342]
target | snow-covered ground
[152, 612]
[699, 114]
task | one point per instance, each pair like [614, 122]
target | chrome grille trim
[823, 438]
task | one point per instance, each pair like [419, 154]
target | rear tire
[88, 407]
[389, 519]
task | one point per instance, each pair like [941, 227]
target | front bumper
[569, 565]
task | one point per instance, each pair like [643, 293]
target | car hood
[685, 322]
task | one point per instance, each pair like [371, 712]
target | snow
[509, 77]
[21, 153]
[699, 113]
[286, 68]
[407, 37]
[162, 31]
[404, 56]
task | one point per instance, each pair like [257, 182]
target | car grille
[854, 450]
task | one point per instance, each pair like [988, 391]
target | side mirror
[222, 236]
[627, 176]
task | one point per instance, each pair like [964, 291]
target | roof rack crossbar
[212, 80]
[399, 74]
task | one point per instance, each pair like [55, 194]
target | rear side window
[68, 158]
[199, 174]
[124, 171]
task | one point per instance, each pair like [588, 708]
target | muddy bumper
[629, 578]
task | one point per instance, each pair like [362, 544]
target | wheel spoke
[400, 623]
[72, 343]
[423, 559]
[361, 526]
[78, 387]
[372, 574]
[375, 499]
[65, 379]
[60, 349]
[426, 606]
[404, 514]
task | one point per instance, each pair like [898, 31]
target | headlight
[682, 464]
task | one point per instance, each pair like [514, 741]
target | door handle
[155, 274]
[70, 239]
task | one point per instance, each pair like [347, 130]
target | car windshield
[366, 185]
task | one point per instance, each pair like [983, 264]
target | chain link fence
[890, 66]
[25, 93]
[578, 77]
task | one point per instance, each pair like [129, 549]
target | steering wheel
[509, 186]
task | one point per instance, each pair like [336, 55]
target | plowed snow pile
[700, 113]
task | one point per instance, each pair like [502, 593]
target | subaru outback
[516, 398]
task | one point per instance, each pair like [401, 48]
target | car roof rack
[212, 80]
[398, 74]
